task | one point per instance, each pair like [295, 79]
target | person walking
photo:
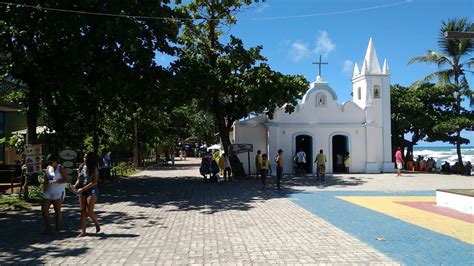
[279, 167]
[258, 164]
[347, 162]
[301, 158]
[54, 192]
[87, 191]
[399, 161]
[264, 170]
[320, 165]
[106, 164]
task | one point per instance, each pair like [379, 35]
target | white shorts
[400, 166]
[54, 195]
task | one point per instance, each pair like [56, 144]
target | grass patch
[14, 203]
[129, 173]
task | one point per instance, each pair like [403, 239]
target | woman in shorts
[54, 192]
[87, 190]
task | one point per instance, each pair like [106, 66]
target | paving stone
[170, 216]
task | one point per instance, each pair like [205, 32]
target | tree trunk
[32, 114]
[458, 111]
[95, 133]
[31, 124]
[458, 146]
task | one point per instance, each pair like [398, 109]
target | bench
[9, 179]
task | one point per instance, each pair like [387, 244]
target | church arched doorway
[340, 146]
[306, 143]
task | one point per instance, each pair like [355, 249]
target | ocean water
[444, 153]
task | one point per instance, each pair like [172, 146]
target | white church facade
[360, 127]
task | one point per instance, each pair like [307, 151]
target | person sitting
[467, 168]
[446, 168]
[205, 168]
[457, 168]
[431, 165]
[423, 165]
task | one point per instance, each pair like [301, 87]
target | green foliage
[110, 63]
[428, 113]
[124, 169]
[227, 79]
[13, 203]
[452, 56]
[16, 141]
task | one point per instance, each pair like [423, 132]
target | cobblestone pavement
[170, 216]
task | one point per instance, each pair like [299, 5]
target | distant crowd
[430, 165]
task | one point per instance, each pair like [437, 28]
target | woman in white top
[53, 191]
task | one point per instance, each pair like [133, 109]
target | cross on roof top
[320, 63]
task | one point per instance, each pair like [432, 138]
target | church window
[359, 93]
[376, 91]
[321, 100]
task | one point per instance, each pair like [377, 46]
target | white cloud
[324, 45]
[348, 66]
[299, 50]
[262, 7]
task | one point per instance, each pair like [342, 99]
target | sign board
[241, 148]
[68, 155]
[34, 158]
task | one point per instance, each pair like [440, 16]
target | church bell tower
[371, 92]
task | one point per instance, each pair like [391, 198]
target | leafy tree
[34, 53]
[64, 55]
[453, 53]
[426, 113]
[226, 79]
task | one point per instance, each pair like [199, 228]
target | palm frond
[469, 63]
[455, 47]
[431, 57]
[443, 77]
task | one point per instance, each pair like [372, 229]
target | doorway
[340, 146]
[305, 142]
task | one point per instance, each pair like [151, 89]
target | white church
[361, 127]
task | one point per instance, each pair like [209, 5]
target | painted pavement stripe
[432, 207]
[439, 223]
[404, 242]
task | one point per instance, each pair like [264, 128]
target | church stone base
[372, 168]
[389, 167]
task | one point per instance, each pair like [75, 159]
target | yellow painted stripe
[461, 230]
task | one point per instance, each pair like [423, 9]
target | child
[265, 166]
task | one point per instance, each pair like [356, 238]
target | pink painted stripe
[432, 207]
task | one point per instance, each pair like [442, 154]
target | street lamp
[135, 116]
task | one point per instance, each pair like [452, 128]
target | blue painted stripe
[406, 243]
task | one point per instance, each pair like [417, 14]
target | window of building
[359, 93]
[321, 100]
[376, 91]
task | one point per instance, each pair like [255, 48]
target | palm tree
[453, 52]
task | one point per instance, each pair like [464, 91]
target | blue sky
[294, 33]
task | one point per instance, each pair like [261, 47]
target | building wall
[14, 121]
[251, 134]
[322, 139]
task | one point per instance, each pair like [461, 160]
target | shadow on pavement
[190, 193]
[20, 231]
[330, 181]
[23, 241]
